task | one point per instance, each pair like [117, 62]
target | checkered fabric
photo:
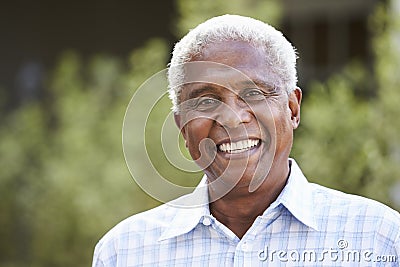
[307, 225]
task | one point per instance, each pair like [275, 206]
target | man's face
[238, 121]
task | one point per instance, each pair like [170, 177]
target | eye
[207, 103]
[253, 94]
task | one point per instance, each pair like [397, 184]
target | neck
[239, 208]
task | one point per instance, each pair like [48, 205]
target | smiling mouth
[239, 146]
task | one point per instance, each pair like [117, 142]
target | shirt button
[206, 221]
[245, 246]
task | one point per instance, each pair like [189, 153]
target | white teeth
[233, 146]
[224, 147]
[243, 144]
[239, 146]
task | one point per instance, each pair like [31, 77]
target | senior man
[233, 88]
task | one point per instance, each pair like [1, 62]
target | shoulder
[153, 220]
[357, 204]
[142, 228]
[356, 211]
[143, 233]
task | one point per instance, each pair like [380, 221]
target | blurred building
[33, 35]
[327, 34]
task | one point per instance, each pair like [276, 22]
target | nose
[233, 114]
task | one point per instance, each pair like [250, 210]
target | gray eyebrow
[259, 83]
[197, 92]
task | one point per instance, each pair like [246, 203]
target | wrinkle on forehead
[227, 76]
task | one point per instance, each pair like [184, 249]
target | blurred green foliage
[64, 181]
[192, 13]
[348, 137]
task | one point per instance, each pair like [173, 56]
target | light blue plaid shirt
[307, 225]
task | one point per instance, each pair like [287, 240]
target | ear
[178, 121]
[294, 106]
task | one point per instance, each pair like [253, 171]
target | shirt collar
[296, 196]
[190, 209]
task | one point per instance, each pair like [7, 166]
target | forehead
[231, 52]
[230, 63]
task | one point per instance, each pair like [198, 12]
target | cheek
[275, 119]
[195, 131]
[284, 128]
[282, 119]
[266, 116]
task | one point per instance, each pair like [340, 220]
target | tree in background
[64, 181]
[348, 138]
[191, 12]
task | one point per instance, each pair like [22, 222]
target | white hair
[280, 54]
